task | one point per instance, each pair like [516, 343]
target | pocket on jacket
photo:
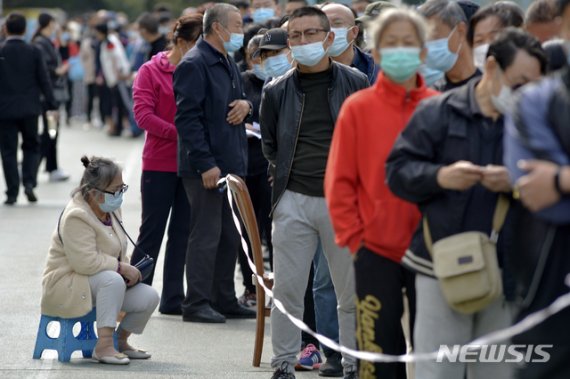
[392, 225]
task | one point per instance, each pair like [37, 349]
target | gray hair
[448, 11]
[218, 13]
[99, 174]
[379, 25]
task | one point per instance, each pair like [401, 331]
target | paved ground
[179, 349]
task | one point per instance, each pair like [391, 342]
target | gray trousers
[437, 324]
[299, 222]
[110, 296]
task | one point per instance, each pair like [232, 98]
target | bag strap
[499, 217]
[127, 234]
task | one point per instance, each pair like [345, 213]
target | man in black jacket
[212, 143]
[297, 117]
[25, 80]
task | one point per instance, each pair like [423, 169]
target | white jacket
[114, 62]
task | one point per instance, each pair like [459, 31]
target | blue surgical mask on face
[430, 75]
[259, 72]
[340, 43]
[261, 15]
[234, 44]
[112, 202]
[277, 65]
[400, 63]
[309, 54]
[439, 57]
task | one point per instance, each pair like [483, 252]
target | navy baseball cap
[273, 39]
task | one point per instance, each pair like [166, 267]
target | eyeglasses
[118, 192]
[310, 35]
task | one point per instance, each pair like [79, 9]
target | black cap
[373, 10]
[469, 8]
[273, 39]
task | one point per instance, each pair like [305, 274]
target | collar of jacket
[365, 63]
[397, 94]
[211, 55]
[463, 100]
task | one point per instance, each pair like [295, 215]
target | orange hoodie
[362, 208]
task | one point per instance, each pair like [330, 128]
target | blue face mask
[259, 72]
[112, 202]
[439, 57]
[430, 75]
[310, 54]
[234, 44]
[277, 65]
[261, 15]
[340, 43]
[400, 63]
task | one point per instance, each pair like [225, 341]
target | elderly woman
[87, 265]
[367, 217]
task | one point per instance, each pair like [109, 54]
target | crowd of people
[397, 158]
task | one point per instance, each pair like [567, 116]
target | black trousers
[163, 195]
[212, 250]
[48, 145]
[9, 129]
[260, 193]
[555, 330]
[380, 305]
[91, 95]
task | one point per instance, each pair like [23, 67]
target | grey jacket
[282, 105]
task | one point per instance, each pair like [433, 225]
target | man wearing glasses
[297, 117]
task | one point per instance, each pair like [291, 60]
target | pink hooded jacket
[154, 109]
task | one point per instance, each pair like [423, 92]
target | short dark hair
[562, 4]
[15, 24]
[508, 13]
[149, 22]
[311, 12]
[510, 41]
[188, 28]
[541, 12]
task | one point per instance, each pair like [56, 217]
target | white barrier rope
[522, 326]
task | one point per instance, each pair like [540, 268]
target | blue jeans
[325, 300]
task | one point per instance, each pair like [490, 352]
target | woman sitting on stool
[87, 265]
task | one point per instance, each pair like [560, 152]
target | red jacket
[154, 109]
[362, 208]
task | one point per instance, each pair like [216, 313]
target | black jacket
[443, 130]
[280, 117]
[257, 164]
[24, 79]
[52, 59]
[205, 83]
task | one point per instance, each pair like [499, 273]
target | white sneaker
[58, 176]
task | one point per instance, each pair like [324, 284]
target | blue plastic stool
[66, 343]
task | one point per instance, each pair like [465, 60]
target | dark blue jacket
[205, 83]
[443, 130]
[364, 63]
[24, 80]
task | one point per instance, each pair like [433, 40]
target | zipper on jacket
[294, 150]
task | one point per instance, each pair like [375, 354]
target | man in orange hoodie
[376, 225]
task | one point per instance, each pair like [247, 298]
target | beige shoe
[136, 354]
[117, 359]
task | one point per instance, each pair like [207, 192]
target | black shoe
[238, 311]
[332, 367]
[10, 201]
[206, 315]
[29, 192]
[282, 374]
[172, 312]
[351, 375]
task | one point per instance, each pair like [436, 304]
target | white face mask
[480, 56]
[504, 100]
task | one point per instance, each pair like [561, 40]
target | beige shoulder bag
[466, 264]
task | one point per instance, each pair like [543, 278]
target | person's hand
[496, 179]
[54, 114]
[131, 274]
[210, 178]
[249, 126]
[270, 180]
[536, 190]
[62, 70]
[459, 176]
[240, 110]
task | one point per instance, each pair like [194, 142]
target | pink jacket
[155, 108]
